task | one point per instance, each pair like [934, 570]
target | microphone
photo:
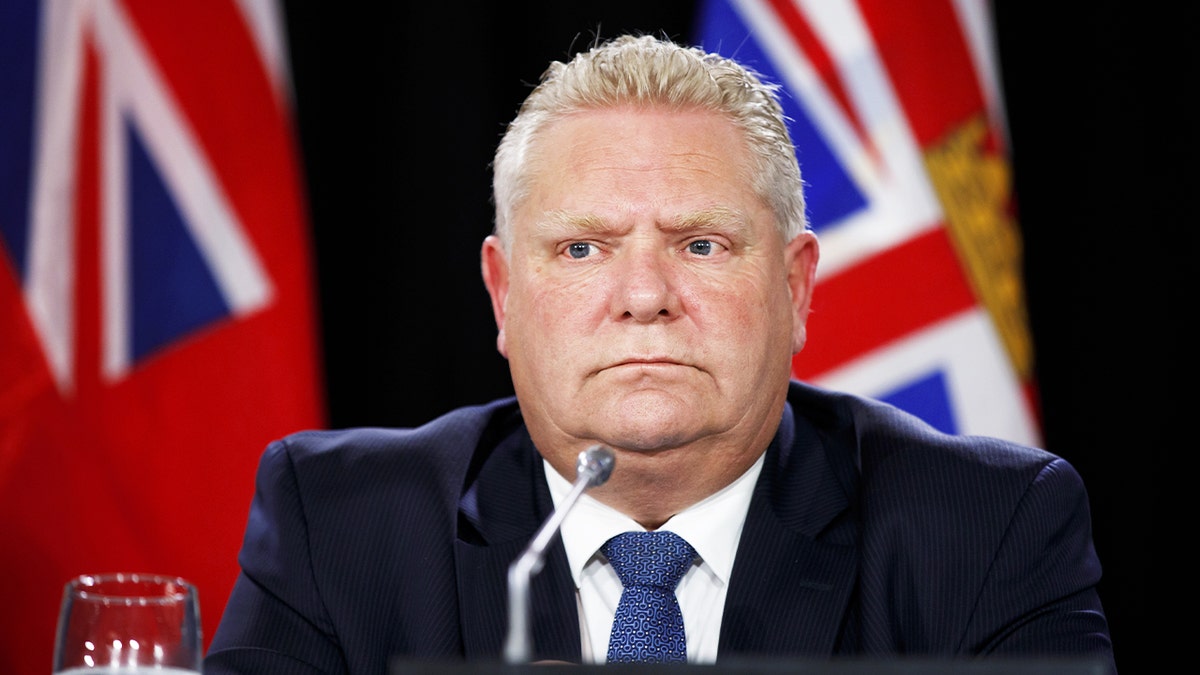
[592, 469]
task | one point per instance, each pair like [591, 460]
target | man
[651, 273]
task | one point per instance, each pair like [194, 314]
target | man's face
[648, 301]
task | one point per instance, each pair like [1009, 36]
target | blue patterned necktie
[648, 625]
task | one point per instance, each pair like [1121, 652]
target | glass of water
[128, 623]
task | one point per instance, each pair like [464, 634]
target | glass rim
[167, 588]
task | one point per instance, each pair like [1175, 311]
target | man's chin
[647, 434]
[647, 419]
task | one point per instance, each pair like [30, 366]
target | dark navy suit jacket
[869, 534]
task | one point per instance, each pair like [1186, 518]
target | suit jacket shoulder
[349, 551]
[967, 545]
[434, 459]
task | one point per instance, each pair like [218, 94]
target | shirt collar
[712, 526]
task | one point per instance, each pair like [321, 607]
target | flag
[897, 116]
[157, 314]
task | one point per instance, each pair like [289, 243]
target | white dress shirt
[712, 526]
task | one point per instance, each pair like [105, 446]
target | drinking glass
[128, 623]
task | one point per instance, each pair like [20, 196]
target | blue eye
[701, 247]
[579, 250]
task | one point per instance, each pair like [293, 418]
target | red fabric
[854, 312]
[153, 471]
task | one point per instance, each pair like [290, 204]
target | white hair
[645, 70]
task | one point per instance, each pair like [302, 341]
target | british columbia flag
[157, 326]
[897, 117]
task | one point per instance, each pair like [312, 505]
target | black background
[400, 107]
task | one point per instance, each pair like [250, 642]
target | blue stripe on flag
[830, 192]
[173, 290]
[19, 21]
[929, 399]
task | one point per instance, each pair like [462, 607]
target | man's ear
[801, 256]
[494, 264]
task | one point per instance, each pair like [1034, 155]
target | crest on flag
[896, 114]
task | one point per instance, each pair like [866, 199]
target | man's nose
[646, 286]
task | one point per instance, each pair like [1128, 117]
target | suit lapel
[792, 580]
[499, 514]
[787, 594]
[796, 563]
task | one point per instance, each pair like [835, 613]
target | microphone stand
[593, 468]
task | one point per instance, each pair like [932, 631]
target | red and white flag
[896, 112]
[157, 311]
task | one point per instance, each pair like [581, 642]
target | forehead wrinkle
[559, 221]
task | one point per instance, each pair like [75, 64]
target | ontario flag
[896, 113]
[157, 318]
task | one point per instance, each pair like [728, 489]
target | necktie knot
[648, 625]
[657, 559]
